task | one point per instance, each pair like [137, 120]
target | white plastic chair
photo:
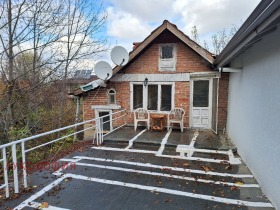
[176, 115]
[141, 115]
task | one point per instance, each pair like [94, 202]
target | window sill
[109, 106]
[154, 112]
[167, 70]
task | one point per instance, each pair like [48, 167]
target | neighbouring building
[253, 57]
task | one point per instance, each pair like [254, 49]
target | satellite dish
[119, 56]
[103, 70]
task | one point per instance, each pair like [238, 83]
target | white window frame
[145, 95]
[108, 95]
[170, 63]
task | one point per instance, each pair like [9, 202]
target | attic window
[167, 52]
[167, 59]
[111, 96]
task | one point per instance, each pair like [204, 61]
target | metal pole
[77, 118]
[24, 165]
[6, 168]
[101, 133]
[15, 171]
[97, 131]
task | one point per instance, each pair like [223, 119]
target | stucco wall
[254, 113]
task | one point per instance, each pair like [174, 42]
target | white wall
[254, 113]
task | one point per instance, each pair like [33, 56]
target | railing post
[101, 130]
[77, 118]
[15, 170]
[97, 130]
[5, 169]
[24, 164]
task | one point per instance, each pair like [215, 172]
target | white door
[107, 120]
[201, 103]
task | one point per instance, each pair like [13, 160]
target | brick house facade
[191, 63]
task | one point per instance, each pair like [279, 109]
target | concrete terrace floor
[205, 140]
[142, 170]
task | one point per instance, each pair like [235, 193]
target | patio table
[157, 121]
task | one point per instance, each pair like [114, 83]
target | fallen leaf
[43, 205]
[239, 183]
[168, 200]
[206, 168]
[234, 188]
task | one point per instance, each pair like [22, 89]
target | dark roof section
[262, 20]
[82, 74]
[166, 25]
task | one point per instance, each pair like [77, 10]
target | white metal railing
[99, 121]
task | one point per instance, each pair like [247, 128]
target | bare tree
[12, 33]
[205, 45]
[219, 39]
[195, 35]
[39, 38]
[82, 26]
[222, 37]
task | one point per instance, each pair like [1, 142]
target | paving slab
[151, 137]
[123, 134]
[131, 179]
[177, 137]
[207, 139]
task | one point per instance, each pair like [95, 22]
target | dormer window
[167, 59]
[111, 96]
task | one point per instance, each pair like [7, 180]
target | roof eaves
[142, 46]
[192, 44]
[173, 28]
[249, 30]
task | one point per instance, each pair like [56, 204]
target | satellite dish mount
[119, 56]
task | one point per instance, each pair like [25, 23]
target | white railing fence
[97, 125]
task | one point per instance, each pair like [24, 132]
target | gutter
[92, 85]
[264, 14]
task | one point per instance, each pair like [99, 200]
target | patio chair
[176, 115]
[141, 115]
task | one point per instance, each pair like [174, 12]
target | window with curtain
[137, 96]
[153, 97]
[166, 97]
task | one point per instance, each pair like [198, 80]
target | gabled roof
[263, 20]
[140, 47]
[166, 25]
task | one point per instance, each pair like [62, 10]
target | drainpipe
[76, 117]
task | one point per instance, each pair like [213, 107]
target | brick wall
[223, 101]
[187, 61]
[182, 95]
[147, 63]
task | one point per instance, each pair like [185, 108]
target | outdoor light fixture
[145, 81]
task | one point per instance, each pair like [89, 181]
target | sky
[132, 21]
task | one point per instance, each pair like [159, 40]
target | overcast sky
[133, 20]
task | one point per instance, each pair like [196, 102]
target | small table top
[157, 115]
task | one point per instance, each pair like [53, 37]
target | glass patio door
[200, 104]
